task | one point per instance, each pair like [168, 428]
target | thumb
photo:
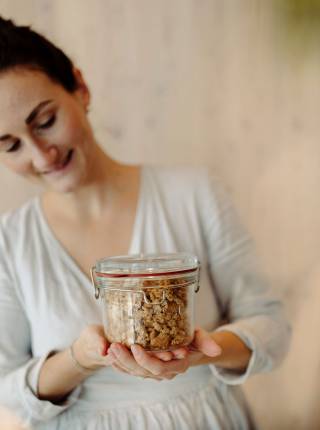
[204, 343]
[98, 336]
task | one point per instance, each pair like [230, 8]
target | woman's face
[44, 132]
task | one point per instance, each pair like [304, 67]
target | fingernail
[217, 352]
[135, 349]
[180, 356]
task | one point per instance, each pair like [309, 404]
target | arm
[16, 361]
[233, 354]
[243, 292]
[63, 371]
[19, 370]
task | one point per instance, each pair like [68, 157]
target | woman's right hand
[91, 348]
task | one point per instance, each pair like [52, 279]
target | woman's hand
[91, 348]
[59, 375]
[162, 365]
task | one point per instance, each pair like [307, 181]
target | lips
[60, 166]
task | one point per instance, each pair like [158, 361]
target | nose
[44, 157]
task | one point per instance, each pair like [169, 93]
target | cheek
[20, 167]
[73, 132]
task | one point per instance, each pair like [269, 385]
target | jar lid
[147, 264]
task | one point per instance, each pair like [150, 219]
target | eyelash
[48, 123]
[43, 126]
[15, 146]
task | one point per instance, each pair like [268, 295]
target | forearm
[235, 354]
[58, 377]
[64, 371]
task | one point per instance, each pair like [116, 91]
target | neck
[111, 184]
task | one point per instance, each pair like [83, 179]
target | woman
[57, 370]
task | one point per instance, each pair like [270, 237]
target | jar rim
[143, 265]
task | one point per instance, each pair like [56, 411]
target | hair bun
[21, 46]
[6, 23]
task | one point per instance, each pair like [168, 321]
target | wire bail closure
[97, 292]
[96, 289]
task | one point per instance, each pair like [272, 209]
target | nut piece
[154, 315]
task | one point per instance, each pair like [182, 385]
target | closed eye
[48, 123]
[15, 146]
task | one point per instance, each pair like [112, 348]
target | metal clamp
[148, 302]
[198, 284]
[96, 289]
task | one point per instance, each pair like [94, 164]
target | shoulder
[17, 223]
[198, 181]
[176, 177]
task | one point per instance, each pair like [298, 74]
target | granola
[156, 315]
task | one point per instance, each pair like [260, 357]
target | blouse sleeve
[17, 365]
[242, 291]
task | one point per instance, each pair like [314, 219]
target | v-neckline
[49, 233]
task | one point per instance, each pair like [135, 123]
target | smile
[62, 166]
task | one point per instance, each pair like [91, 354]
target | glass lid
[139, 264]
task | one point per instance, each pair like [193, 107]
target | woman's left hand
[163, 365]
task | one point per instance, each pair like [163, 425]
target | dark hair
[22, 47]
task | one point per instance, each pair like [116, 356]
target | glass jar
[148, 299]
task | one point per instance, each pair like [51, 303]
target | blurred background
[233, 85]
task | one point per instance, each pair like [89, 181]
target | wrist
[235, 353]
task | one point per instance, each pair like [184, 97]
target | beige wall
[207, 81]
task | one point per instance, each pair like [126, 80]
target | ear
[82, 91]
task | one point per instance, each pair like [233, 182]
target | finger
[156, 366]
[125, 359]
[143, 374]
[180, 353]
[109, 359]
[96, 335]
[119, 368]
[163, 355]
[204, 343]
[94, 332]
[171, 355]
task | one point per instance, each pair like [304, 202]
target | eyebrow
[30, 117]
[5, 137]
